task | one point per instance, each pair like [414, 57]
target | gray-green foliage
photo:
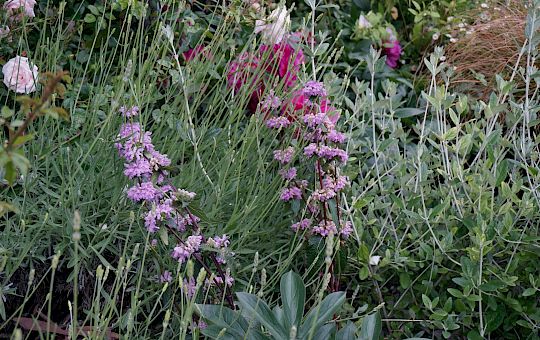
[448, 195]
[256, 320]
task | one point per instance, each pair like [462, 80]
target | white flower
[20, 75]
[374, 260]
[435, 36]
[484, 5]
[275, 26]
[363, 22]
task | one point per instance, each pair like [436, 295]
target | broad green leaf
[371, 327]
[293, 296]
[492, 286]
[325, 332]
[347, 332]
[262, 313]
[322, 313]
[223, 317]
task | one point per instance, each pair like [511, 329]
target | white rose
[363, 22]
[275, 26]
[13, 5]
[374, 260]
[19, 75]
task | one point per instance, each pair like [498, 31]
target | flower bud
[189, 268]
[201, 276]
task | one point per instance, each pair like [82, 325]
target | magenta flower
[195, 52]
[392, 50]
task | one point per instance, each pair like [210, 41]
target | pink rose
[19, 75]
[12, 6]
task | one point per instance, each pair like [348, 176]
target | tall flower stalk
[167, 207]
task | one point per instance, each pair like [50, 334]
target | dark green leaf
[293, 296]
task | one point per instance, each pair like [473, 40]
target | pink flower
[242, 69]
[290, 60]
[331, 112]
[142, 192]
[20, 75]
[11, 6]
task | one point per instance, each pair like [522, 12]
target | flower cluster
[315, 125]
[305, 111]
[166, 206]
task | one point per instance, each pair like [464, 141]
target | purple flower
[158, 160]
[330, 153]
[284, 156]
[291, 193]
[313, 120]
[221, 242]
[165, 277]
[311, 150]
[324, 228]
[228, 280]
[271, 101]
[336, 137]
[143, 191]
[346, 229]
[189, 287]
[183, 251]
[302, 225]
[138, 168]
[288, 174]
[278, 122]
[315, 89]
[131, 112]
[323, 195]
[336, 184]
